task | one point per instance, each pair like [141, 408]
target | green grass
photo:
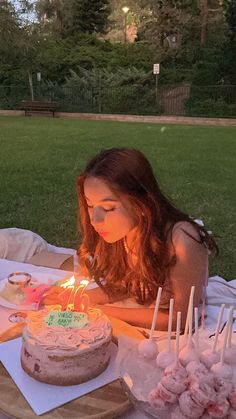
[40, 159]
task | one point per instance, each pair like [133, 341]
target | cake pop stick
[187, 353]
[210, 356]
[154, 319]
[230, 352]
[195, 368]
[178, 324]
[176, 367]
[221, 369]
[197, 353]
[204, 301]
[170, 324]
[190, 320]
[189, 305]
[147, 347]
[229, 341]
[219, 320]
[165, 358]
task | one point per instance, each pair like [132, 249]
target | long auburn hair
[128, 173]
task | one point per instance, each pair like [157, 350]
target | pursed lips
[102, 233]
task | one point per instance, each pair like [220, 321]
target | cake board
[105, 402]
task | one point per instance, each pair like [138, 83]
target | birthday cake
[66, 348]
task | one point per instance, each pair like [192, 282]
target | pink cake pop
[189, 407]
[196, 369]
[202, 393]
[166, 394]
[230, 351]
[147, 347]
[218, 410]
[165, 358]
[221, 369]
[232, 397]
[174, 383]
[155, 400]
[231, 414]
[210, 356]
[222, 387]
[178, 414]
[176, 369]
[206, 416]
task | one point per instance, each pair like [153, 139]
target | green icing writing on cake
[66, 319]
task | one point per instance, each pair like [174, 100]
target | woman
[135, 240]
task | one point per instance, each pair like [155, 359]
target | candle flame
[69, 283]
[84, 282]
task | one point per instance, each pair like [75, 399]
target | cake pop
[189, 407]
[165, 358]
[174, 383]
[178, 414]
[221, 369]
[218, 410]
[232, 397]
[202, 393]
[176, 368]
[147, 347]
[231, 414]
[155, 400]
[223, 388]
[230, 351]
[210, 356]
[166, 394]
[195, 368]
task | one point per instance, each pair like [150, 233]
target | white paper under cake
[45, 397]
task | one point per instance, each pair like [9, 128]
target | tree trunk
[31, 85]
[204, 21]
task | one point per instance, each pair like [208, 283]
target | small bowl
[19, 278]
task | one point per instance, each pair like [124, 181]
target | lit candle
[72, 297]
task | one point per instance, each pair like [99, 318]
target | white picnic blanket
[20, 245]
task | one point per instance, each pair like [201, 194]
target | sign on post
[156, 68]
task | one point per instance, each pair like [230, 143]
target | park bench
[37, 106]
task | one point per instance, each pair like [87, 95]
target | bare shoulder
[184, 233]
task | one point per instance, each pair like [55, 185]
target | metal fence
[185, 99]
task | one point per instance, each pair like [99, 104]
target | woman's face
[111, 218]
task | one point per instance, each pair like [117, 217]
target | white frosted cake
[66, 348]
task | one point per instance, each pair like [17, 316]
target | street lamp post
[125, 10]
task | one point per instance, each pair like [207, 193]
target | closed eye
[104, 209]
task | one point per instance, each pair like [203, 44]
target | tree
[74, 17]
[163, 21]
[230, 14]
[51, 13]
[86, 16]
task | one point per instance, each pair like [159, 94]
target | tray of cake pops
[181, 376]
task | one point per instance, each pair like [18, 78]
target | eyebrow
[105, 199]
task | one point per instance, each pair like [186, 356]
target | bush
[210, 108]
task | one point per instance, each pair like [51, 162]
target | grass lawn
[40, 159]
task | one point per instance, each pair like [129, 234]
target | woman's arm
[140, 317]
[191, 268]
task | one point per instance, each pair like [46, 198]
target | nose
[97, 216]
